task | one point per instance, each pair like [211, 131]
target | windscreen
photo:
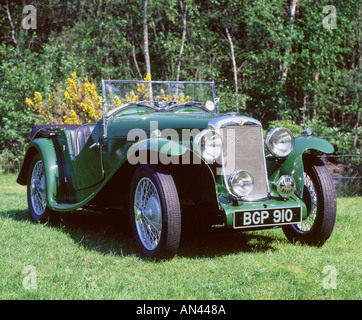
[119, 93]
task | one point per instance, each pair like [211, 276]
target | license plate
[267, 217]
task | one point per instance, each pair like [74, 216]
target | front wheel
[319, 195]
[155, 212]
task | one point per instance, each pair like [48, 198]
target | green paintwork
[46, 149]
[161, 146]
[121, 134]
[87, 174]
[88, 164]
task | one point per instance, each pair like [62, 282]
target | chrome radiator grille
[243, 148]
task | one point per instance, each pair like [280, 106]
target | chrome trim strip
[104, 106]
[226, 121]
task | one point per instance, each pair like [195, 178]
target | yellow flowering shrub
[80, 104]
[117, 101]
[179, 98]
[39, 107]
[143, 93]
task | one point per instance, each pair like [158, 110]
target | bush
[81, 104]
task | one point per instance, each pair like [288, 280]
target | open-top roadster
[163, 147]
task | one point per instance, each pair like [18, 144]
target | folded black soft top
[48, 127]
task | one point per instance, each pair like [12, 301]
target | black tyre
[36, 191]
[155, 212]
[320, 197]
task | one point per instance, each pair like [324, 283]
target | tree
[183, 14]
[145, 37]
[230, 40]
[284, 67]
[11, 24]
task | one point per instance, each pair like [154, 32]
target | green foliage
[289, 124]
[342, 141]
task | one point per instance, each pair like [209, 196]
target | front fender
[294, 163]
[45, 148]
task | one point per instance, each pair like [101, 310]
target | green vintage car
[165, 151]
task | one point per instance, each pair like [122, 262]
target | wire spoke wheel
[311, 200]
[148, 215]
[155, 212]
[319, 196]
[36, 191]
[37, 188]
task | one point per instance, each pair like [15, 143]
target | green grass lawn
[93, 256]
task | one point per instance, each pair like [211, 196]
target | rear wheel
[36, 191]
[320, 198]
[155, 212]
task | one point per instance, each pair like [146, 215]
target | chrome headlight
[280, 142]
[208, 144]
[241, 183]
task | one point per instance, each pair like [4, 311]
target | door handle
[96, 144]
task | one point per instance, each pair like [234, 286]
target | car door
[88, 165]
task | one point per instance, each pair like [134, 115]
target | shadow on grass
[110, 233]
[218, 242]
